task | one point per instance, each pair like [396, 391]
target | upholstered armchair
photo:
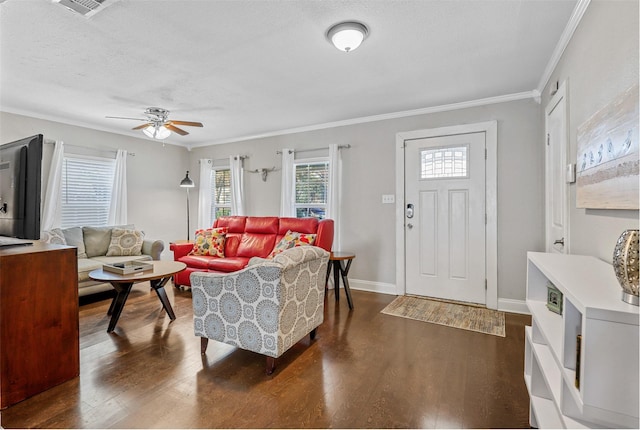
[266, 307]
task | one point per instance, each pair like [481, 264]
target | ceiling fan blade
[142, 126]
[175, 129]
[125, 117]
[189, 123]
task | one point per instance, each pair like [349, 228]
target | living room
[598, 62]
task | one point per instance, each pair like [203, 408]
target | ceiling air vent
[83, 7]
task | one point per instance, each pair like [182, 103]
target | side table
[340, 270]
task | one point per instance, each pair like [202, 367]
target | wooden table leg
[123, 290]
[345, 271]
[158, 286]
[336, 279]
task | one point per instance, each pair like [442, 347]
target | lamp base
[630, 298]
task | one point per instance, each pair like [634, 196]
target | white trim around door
[490, 128]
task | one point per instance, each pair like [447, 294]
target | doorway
[446, 227]
[556, 201]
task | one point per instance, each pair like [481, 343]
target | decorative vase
[625, 265]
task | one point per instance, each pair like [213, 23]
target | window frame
[324, 206]
[214, 206]
[102, 217]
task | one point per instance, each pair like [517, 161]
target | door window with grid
[87, 182]
[311, 188]
[220, 192]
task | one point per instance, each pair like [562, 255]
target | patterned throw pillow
[125, 242]
[53, 236]
[292, 239]
[210, 241]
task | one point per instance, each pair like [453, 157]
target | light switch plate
[388, 198]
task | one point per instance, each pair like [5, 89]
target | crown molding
[574, 20]
[533, 94]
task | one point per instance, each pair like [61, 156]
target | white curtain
[118, 207]
[52, 198]
[204, 194]
[334, 198]
[287, 197]
[237, 185]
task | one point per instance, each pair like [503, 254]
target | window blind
[312, 183]
[220, 193]
[86, 190]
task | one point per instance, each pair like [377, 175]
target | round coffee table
[162, 272]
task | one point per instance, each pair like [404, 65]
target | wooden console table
[39, 344]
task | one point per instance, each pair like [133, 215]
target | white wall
[600, 62]
[156, 203]
[369, 171]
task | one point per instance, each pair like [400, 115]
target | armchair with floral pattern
[266, 307]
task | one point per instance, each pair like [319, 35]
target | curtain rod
[242, 158]
[96, 148]
[291, 151]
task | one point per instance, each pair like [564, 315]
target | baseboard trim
[513, 306]
[506, 305]
[373, 287]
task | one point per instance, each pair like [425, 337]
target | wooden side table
[340, 270]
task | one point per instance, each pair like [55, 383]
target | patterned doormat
[466, 317]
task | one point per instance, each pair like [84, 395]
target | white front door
[556, 203]
[445, 217]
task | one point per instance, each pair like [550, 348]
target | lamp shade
[187, 182]
[347, 36]
[157, 132]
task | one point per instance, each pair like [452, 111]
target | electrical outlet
[388, 198]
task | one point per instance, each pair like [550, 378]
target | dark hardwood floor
[364, 370]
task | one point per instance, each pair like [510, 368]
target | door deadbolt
[409, 210]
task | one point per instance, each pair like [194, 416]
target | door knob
[409, 225]
[559, 242]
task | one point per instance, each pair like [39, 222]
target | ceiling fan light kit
[347, 36]
[158, 126]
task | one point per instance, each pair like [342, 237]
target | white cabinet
[595, 340]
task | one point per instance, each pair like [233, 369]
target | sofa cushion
[196, 261]
[85, 266]
[302, 225]
[53, 236]
[209, 241]
[256, 245]
[262, 225]
[125, 242]
[73, 237]
[292, 239]
[228, 264]
[235, 224]
[98, 239]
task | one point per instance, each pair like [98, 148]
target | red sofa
[248, 237]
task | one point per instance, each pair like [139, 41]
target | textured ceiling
[248, 68]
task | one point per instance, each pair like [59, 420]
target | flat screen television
[20, 187]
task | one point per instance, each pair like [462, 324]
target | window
[86, 190]
[312, 184]
[443, 163]
[220, 192]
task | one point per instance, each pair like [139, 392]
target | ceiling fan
[157, 125]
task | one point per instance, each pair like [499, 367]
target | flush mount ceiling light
[347, 36]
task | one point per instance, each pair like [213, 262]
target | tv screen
[20, 187]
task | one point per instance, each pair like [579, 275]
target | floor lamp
[187, 183]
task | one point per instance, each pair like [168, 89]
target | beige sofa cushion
[73, 237]
[98, 239]
[125, 242]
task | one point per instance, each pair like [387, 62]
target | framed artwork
[607, 160]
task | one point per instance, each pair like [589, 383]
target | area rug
[466, 317]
